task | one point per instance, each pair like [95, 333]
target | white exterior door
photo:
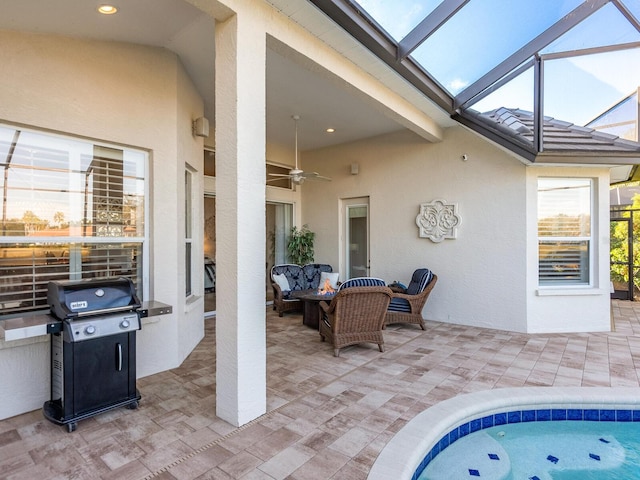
[355, 241]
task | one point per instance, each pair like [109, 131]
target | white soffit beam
[410, 108]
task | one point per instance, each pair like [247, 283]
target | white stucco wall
[487, 276]
[481, 273]
[25, 375]
[126, 94]
[190, 327]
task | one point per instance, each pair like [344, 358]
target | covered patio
[251, 395]
[326, 417]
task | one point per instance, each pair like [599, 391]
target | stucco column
[240, 219]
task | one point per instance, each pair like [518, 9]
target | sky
[576, 89]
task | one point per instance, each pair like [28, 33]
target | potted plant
[300, 245]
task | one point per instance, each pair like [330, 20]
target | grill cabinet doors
[101, 373]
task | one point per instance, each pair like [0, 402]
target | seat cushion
[300, 278]
[311, 274]
[399, 305]
[419, 281]
[293, 273]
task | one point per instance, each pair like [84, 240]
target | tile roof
[559, 136]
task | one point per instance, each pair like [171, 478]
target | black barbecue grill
[93, 348]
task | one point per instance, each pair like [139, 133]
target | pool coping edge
[425, 430]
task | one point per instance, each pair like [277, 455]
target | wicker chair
[299, 280]
[355, 315]
[407, 307]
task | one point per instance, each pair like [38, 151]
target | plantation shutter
[564, 231]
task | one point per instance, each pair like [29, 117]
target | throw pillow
[281, 280]
[332, 276]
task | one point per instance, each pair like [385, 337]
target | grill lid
[77, 298]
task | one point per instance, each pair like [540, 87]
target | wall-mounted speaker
[201, 127]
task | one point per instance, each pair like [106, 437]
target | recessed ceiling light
[107, 9]
[331, 130]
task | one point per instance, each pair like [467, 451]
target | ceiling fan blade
[281, 178]
[297, 176]
[315, 176]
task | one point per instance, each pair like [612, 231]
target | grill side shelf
[154, 308]
[43, 324]
[26, 327]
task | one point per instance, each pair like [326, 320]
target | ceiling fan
[297, 175]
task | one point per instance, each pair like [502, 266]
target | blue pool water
[540, 450]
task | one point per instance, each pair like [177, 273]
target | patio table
[311, 307]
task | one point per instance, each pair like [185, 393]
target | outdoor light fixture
[107, 9]
[331, 130]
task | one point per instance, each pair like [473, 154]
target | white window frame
[66, 249]
[189, 266]
[590, 239]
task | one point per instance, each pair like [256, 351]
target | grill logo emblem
[99, 293]
[78, 305]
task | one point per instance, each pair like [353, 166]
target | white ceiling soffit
[312, 19]
[147, 22]
[312, 94]
[172, 24]
[292, 88]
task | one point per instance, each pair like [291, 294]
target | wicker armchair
[407, 307]
[355, 315]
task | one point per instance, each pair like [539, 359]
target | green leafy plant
[619, 248]
[300, 245]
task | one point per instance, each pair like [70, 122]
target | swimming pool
[422, 439]
[544, 450]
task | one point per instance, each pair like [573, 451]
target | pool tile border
[464, 414]
[524, 416]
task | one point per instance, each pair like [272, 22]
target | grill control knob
[124, 324]
[90, 330]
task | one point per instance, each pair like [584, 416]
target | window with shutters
[71, 209]
[564, 231]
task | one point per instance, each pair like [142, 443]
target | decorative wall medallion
[438, 220]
